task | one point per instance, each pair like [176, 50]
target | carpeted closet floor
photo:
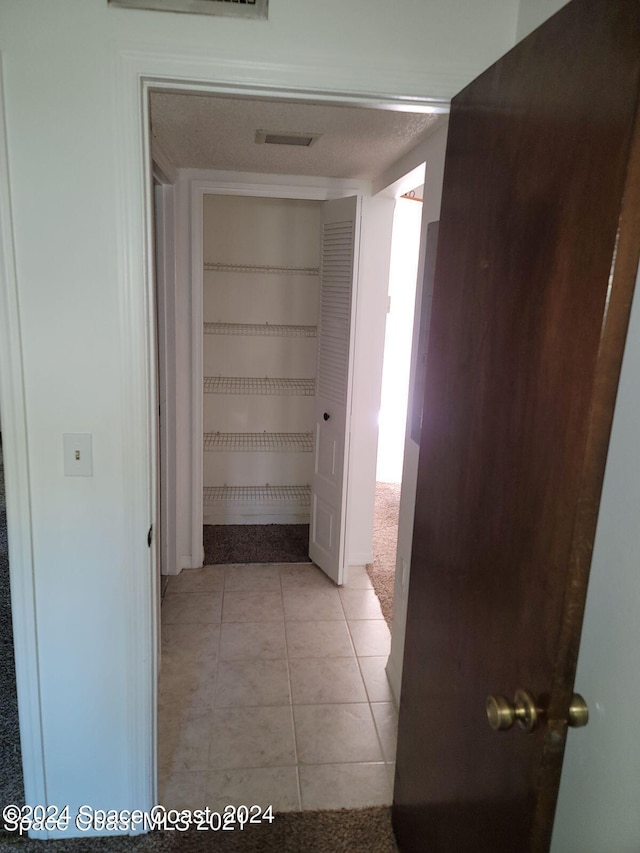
[225, 544]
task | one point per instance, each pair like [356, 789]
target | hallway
[273, 690]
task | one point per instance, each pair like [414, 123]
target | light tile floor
[273, 690]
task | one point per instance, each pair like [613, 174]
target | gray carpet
[11, 786]
[344, 831]
[255, 543]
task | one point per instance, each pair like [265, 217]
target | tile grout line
[215, 676]
[293, 721]
[368, 695]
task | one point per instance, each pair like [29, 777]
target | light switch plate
[78, 458]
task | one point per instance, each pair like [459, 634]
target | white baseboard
[361, 559]
[240, 517]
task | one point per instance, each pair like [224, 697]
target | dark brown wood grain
[537, 256]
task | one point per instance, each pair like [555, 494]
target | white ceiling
[207, 132]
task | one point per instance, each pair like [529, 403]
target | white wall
[600, 775]
[76, 209]
[403, 277]
[532, 13]
[373, 286]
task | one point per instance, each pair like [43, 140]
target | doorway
[272, 685]
[260, 305]
[341, 158]
[405, 247]
[243, 645]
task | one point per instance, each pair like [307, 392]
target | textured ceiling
[205, 132]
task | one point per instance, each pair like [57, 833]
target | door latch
[502, 714]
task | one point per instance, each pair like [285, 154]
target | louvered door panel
[327, 534]
[335, 310]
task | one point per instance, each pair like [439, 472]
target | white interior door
[340, 240]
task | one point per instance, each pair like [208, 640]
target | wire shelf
[262, 329]
[269, 442]
[211, 266]
[254, 386]
[300, 495]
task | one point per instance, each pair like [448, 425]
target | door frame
[166, 538]
[212, 182]
[136, 73]
[19, 519]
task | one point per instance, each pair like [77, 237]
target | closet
[261, 292]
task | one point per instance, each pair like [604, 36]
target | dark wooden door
[537, 257]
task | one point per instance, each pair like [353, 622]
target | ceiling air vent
[235, 8]
[301, 140]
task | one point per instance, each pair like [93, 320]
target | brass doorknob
[578, 712]
[502, 714]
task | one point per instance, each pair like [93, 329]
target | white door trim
[165, 337]
[136, 73]
[197, 372]
[136, 347]
[19, 523]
